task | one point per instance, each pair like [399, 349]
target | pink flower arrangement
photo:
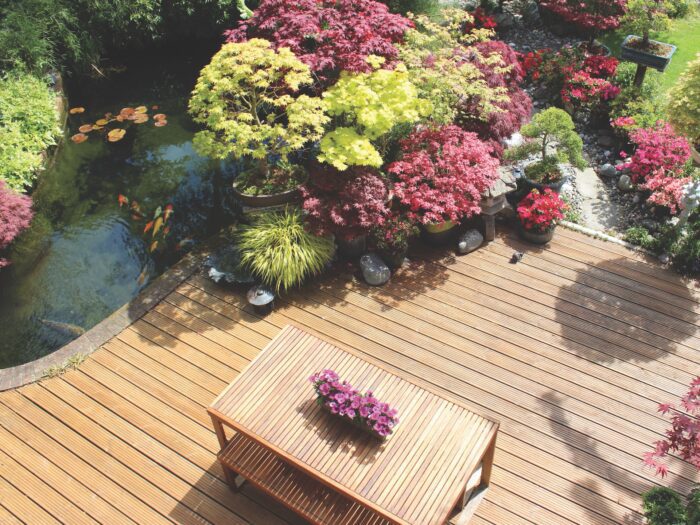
[538, 212]
[683, 438]
[341, 399]
[15, 216]
[658, 149]
[443, 174]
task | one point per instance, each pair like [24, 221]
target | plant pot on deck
[393, 260]
[632, 52]
[439, 234]
[352, 248]
[529, 185]
[536, 237]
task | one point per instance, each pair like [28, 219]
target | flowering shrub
[481, 20]
[666, 190]
[237, 98]
[657, 149]
[443, 174]
[15, 216]
[344, 204]
[532, 62]
[539, 212]
[592, 16]
[599, 66]
[683, 438]
[583, 90]
[394, 235]
[367, 106]
[329, 36]
[442, 69]
[342, 399]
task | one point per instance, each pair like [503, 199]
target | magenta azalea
[15, 216]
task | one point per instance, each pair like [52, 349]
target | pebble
[607, 170]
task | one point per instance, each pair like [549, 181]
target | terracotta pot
[438, 234]
[536, 237]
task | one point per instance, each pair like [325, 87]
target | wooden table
[427, 472]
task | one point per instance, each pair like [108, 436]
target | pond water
[84, 256]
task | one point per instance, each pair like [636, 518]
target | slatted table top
[416, 476]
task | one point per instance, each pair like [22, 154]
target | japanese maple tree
[590, 16]
[442, 174]
[329, 36]
[345, 204]
[15, 216]
[683, 438]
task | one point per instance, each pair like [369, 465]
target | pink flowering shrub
[15, 216]
[657, 149]
[666, 190]
[539, 212]
[683, 438]
[342, 399]
[583, 90]
[599, 66]
[329, 36]
[442, 174]
[346, 204]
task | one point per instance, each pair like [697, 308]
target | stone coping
[106, 329]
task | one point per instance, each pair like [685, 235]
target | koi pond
[111, 215]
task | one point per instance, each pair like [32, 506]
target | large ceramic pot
[631, 52]
[393, 260]
[264, 201]
[536, 237]
[529, 185]
[352, 248]
[438, 234]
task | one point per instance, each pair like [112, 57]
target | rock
[606, 141]
[624, 183]
[607, 170]
[374, 270]
[469, 241]
[504, 20]
[636, 199]
[664, 258]
[516, 139]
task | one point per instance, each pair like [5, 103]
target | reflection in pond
[84, 257]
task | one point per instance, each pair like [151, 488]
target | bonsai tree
[591, 17]
[248, 99]
[551, 128]
[15, 216]
[643, 17]
[684, 105]
[442, 174]
[366, 107]
[279, 251]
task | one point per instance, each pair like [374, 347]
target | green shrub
[663, 506]
[278, 250]
[429, 7]
[644, 105]
[641, 237]
[694, 507]
[28, 125]
[684, 103]
[679, 8]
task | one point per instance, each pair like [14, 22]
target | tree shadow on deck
[613, 308]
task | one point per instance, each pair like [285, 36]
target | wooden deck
[571, 350]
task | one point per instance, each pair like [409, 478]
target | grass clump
[71, 363]
[278, 250]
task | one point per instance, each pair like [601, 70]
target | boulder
[374, 269]
[469, 241]
[606, 141]
[624, 183]
[608, 171]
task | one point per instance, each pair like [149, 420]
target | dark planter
[529, 185]
[535, 237]
[695, 154]
[393, 260]
[645, 58]
[351, 422]
[438, 234]
[352, 248]
[264, 201]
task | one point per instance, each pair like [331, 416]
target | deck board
[571, 349]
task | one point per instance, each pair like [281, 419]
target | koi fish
[123, 200]
[65, 328]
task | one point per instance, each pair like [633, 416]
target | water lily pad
[79, 137]
[75, 111]
[126, 112]
[159, 116]
[160, 123]
[97, 128]
[141, 109]
[101, 122]
[85, 128]
[140, 118]
[119, 118]
[116, 135]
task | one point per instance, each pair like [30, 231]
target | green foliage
[551, 127]
[644, 16]
[28, 125]
[679, 8]
[429, 7]
[247, 99]
[440, 74]
[693, 508]
[641, 237]
[645, 105]
[663, 506]
[684, 105]
[281, 252]
[366, 107]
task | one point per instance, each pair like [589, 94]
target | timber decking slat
[571, 349]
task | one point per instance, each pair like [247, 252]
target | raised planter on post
[646, 59]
